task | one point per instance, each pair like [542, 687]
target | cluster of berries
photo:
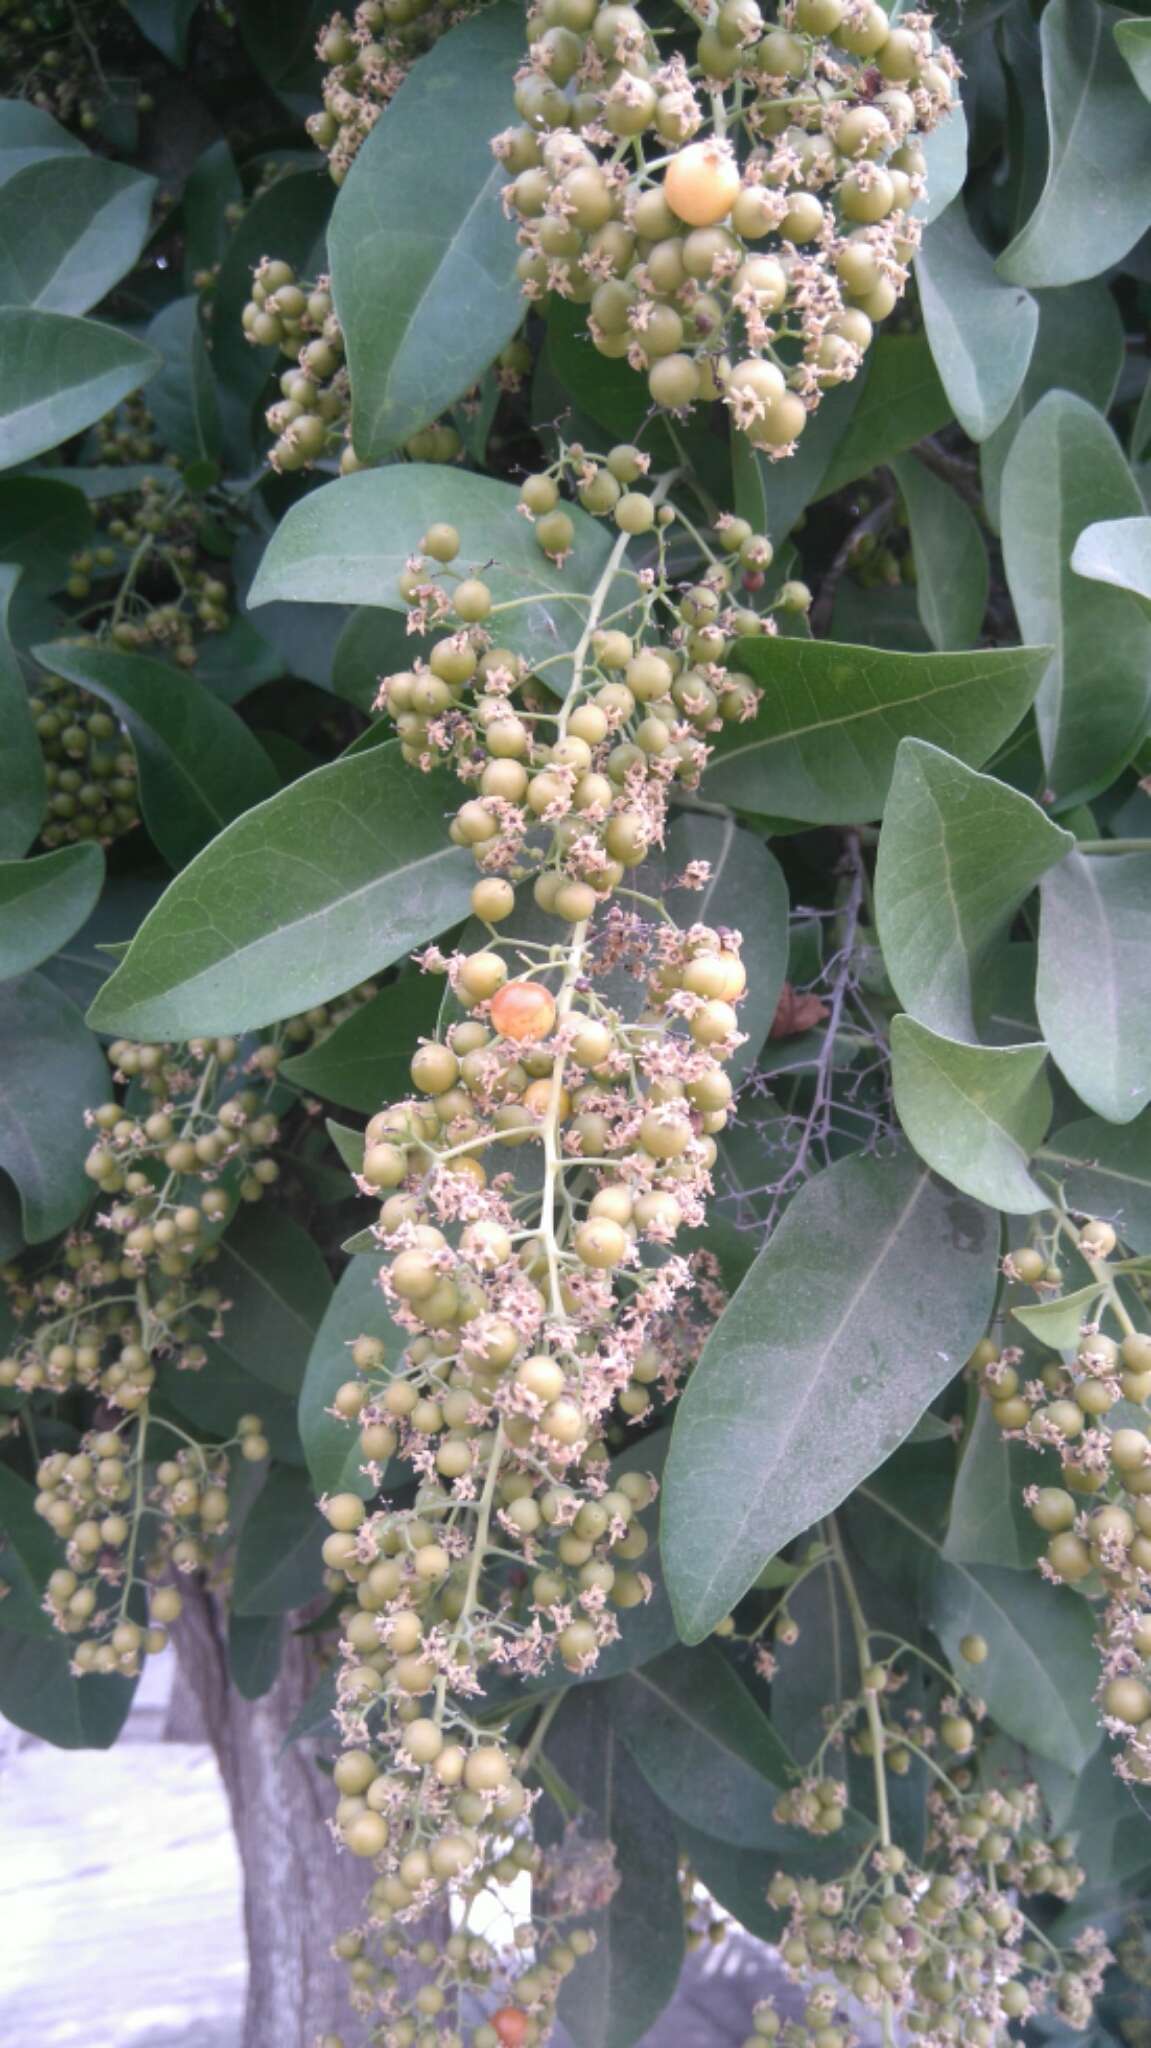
[1085, 1407]
[575, 795]
[368, 59]
[751, 256]
[89, 766]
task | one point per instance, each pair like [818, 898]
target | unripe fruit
[1127, 1699]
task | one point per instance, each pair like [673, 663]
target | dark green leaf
[982, 331]
[273, 1274]
[1096, 201]
[21, 761]
[1066, 471]
[951, 573]
[39, 1694]
[704, 1746]
[42, 902]
[347, 544]
[1038, 1678]
[616, 1993]
[821, 1364]
[989, 1523]
[1105, 1172]
[165, 23]
[212, 186]
[29, 1553]
[903, 400]
[278, 1563]
[357, 1309]
[1134, 43]
[1080, 348]
[1093, 991]
[423, 267]
[365, 1061]
[958, 853]
[822, 745]
[51, 1071]
[183, 399]
[254, 1642]
[200, 767]
[57, 375]
[42, 525]
[334, 879]
[975, 1113]
[374, 643]
[70, 227]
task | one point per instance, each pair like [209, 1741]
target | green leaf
[357, 1309]
[705, 1748]
[423, 267]
[951, 574]
[1038, 1678]
[975, 1113]
[1080, 347]
[903, 400]
[374, 643]
[1096, 201]
[958, 853]
[212, 186]
[70, 228]
[1065, 472]
[1093, 990]
[22, 790]
[200, 767]
[29, 1553]
[39, 1694]
[982, 331]
[183, 399]
[945, 153]
[166, 24]
[278, 1564]
[51, 1071]
[1116, 551]
[42, 902]
[365, 1061]
[818, 1368]
[620, 1989]
[822, 745]
[254, 1646]
[1133, 39]
[42, 525]
[348, 543]
[1105, 1171]
[332, 880]
[988, 1523]
[1059, 1323]
[28, 135]
[273, 1274]
[57, 375]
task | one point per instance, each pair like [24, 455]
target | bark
[299, 1891]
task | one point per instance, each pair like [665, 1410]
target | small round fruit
[701, 184]
[523, 1011]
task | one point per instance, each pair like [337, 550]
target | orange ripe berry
[524, 1011]
[511, 2024]
[701, 183]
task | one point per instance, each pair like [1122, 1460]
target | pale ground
[100, 1855]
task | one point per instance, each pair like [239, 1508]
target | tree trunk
[299, 1891]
